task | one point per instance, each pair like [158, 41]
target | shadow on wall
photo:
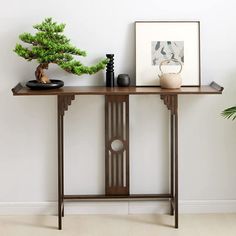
[128, 54]
[14, 69]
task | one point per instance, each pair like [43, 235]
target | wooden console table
[117, 130]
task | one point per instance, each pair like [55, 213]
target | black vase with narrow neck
[110, 71]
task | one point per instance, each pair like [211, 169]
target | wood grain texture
[206, 89]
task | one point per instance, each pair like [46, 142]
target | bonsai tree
[49, 45]
[229, 113]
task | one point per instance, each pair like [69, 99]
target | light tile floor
[120, 225]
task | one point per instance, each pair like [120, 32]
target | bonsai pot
[35, 85]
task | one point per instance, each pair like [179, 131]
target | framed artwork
[157, 41]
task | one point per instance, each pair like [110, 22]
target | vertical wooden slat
[124, 121]
[122, 169]
[117, 171]
[114, 118]
[109, 170]
[112, 170]
[108, 121]
[117, 119]
[121, 120]
[112, 132]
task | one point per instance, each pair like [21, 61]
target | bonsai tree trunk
[41, 77]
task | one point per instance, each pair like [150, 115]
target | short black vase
[110, 71]
[123, 80]
[35, 85]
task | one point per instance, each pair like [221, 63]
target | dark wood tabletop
[213, 88]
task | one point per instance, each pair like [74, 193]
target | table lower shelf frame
[117, 193]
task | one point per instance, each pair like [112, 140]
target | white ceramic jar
[170, 80]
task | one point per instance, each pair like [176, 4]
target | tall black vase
[110, 71]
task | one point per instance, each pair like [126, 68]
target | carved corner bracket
[64, 101]
[171, 101]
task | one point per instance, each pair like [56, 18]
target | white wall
[28, 158]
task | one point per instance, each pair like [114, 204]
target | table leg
[176, 170]
[63, 101]
[171, 101]
[171, 163]
[60, 164]
[62, 168]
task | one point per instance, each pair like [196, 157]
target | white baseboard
[207, 206]
[28, 208]
[149, 207]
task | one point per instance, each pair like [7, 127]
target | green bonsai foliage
[229, 113]
[49, 45]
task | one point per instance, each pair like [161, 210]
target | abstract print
[163, 50]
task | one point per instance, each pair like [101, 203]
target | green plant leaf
[229, 113]
[49, 45]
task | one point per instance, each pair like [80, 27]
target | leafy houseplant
[229, 113]
[49, 45]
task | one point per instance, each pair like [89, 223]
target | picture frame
[157, 41]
